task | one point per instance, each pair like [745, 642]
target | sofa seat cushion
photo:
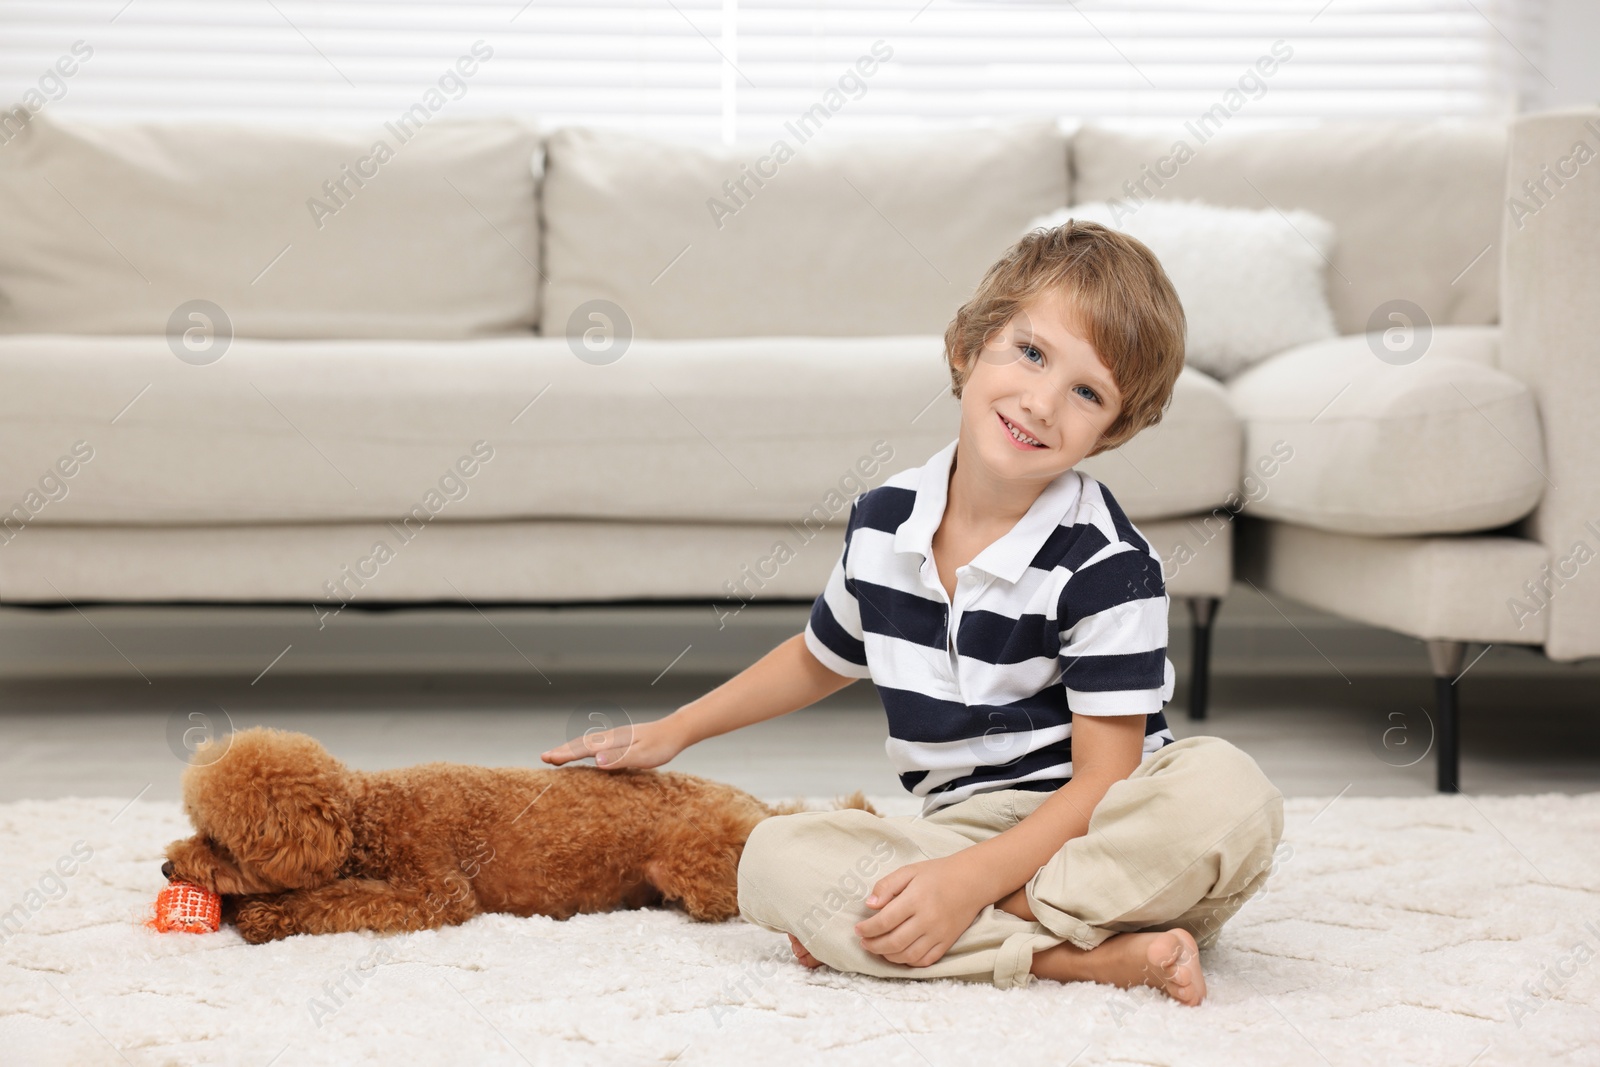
[397, 230]
[1447, 443]
[754, 430]
[831, 235]
[733, 430]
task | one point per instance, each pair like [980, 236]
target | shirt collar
[1008, 557]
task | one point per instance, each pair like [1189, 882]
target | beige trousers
[1183, 841]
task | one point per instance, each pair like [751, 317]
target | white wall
[1566, 50]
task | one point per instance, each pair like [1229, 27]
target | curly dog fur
[296, 842]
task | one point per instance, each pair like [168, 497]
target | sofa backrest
[811, 234]
[1415, 205]
[315, 233]
[419, 231]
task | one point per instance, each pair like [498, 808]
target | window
[738, 69]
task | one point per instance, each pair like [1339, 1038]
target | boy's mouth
[1016, 436]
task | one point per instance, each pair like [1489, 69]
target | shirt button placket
[952, 617]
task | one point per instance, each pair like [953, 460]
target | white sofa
[495, 364]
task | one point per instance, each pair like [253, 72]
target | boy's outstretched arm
[924, 907]
[786, 679]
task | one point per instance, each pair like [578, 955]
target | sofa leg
[1203, 610]
[1446, 657]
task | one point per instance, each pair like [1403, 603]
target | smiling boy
[1014, 622]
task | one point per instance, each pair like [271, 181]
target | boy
[1015, 624]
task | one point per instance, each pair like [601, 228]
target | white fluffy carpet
[1436, 930]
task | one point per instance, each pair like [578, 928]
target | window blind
[739, 69]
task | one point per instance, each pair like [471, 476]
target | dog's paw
[259, 922]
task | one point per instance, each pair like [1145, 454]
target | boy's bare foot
[1168, 960]
[801, 954]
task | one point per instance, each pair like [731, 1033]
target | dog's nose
[166, 870]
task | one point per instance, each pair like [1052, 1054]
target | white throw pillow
[1251, 282]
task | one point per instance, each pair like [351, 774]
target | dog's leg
[694, 859]
[706, 884]
[355, 904]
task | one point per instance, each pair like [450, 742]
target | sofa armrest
[1550, 338]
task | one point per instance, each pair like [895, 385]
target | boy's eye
[1029, 351]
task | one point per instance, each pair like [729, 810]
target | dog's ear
[277, 802]
[303, 831]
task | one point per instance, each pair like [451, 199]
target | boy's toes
[800, 953]
[1190, 984]
[1175, 962]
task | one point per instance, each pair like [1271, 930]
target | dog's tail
[857, 800]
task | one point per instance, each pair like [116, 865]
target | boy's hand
[645, 744]
[923, 908]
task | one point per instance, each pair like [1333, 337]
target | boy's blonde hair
[1126, 308]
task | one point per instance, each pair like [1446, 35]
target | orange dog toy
[187, 908]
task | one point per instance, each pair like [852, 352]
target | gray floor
[1312, 737]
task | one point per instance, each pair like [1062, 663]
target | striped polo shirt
[1064, 615]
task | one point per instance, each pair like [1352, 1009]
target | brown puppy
[298, 843]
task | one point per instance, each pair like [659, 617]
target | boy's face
[1039, 375]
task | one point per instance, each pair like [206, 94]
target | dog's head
[272, 812]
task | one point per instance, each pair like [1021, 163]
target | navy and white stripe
[1066, 614]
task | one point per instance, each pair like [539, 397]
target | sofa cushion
[1415, 205]
[110, 227]
[336, 431]
[849, 236]
[332, 431]
[1447, 443]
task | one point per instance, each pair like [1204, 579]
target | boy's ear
[963, 373]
